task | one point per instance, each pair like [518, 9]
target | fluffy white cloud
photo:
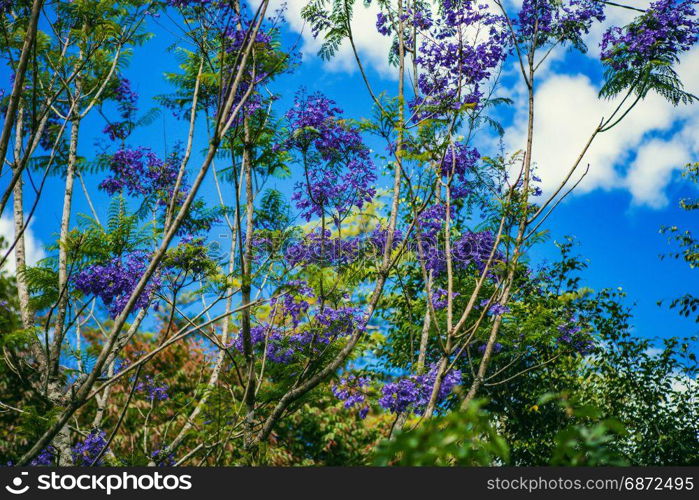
[630, 156]
[33, 246]
[371, 45]
[641, 154]
[652, 171]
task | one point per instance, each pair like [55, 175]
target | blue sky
[631, 191]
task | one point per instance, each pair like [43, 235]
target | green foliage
[688, 304]
[273, 211]
[460, 438]
[590, 441]
[656, 75]
[323, 433]
[469, 438]
[650, 391]
[337, 15]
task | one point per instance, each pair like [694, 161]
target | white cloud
[34, 250]
[372, 46]
[652, 171]
[653, 351]
[629, 156]
[683, 383]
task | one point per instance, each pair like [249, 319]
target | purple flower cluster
[237, 33]
[339, 173]
[320, 248]
[351, 390]
[379, 237]
[495, 309]
[153, 389]
[115, 280]
[473, 248]
[292, 303]
[497, 347]
[413, 393]
[458, 162]
[439, 298]
[163, 460]
[459, 159]
[666, 29]
[189, 3]
[431, 221]
[453, 61]
[319, 21]
[418, 17]
[558, 19]
[126, 100]
[383, 24]
[571, 335]
[140, 172]
[85, 452]
[536, 190]
[305, 338]
[45, 457]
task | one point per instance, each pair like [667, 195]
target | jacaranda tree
[384, 307]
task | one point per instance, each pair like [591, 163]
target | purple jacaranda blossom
[153, 389]
[163, 459]
[430, 222]
[45, 457]
[475, 248]
[571, 334]
[139, 172]
[319, 21]
[238, 31]
[114, 281]
[454, 63]
[339, 173]
[379, 236]
[665, 30]
[439, 298]
[85, 452]
[495, 309]
[307, 338]
[557, 20]
[350, 390]
[412, 393]
[126, 99]
[320, 248]
[190, 3]
[497, 347]
[292, 303]
[459, 161]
